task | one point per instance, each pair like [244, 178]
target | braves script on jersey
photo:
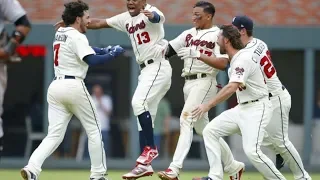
[145, 36]
[242, 66]
[10, 10]
[205, 41]
[70, 47]
[262, 55]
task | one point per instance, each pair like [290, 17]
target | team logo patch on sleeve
[239, 71]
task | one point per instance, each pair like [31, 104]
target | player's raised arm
[98, 24]
[15, 13]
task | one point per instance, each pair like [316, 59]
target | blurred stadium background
[290, 28]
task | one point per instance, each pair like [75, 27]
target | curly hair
[73, 10]
[233, 35]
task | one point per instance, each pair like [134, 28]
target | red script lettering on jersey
[136, 27]
[198, 42]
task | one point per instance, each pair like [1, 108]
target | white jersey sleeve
[81, 47]
[11, 10]
[179, 41]
[118, 21]
[240, 71]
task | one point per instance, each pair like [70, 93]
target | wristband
[18, 36]
[10, 48]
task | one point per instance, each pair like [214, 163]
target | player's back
[67, 60]
[262, 54]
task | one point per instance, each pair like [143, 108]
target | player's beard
[223, 50]
[83, 27]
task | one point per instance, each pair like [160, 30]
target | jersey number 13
[143, 37]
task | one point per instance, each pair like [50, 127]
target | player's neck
[231, 52]
[75, 26]
[246, 40]
[206, 26]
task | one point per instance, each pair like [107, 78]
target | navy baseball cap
[243, 22]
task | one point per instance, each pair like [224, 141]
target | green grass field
[116, 175]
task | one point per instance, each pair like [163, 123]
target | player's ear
[243, 31]
[225, 40]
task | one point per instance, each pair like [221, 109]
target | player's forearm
[99, 51]
[224, 94]
[218, 63]
[98, 24]
[93, 59]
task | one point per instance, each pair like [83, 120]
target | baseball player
[277, 137]
[200, 86]
[250, 117]
[68, 95]
[143, 23]
[277, 129]
[10, 10]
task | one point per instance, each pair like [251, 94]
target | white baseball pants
[278, 138]
[196, 92]
[251, 120]
[154, 82]
[67, 97]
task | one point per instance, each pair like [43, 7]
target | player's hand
[59, 24]
[116, 51]
[149, 14]
[187, 52]
[200, 110]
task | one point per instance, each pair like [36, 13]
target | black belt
[143, 65]
[247, 102]
[283, 88]
[66, 77]
[195, 76]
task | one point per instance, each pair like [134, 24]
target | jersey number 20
[143, 38]
[56, 48]
[268, 68]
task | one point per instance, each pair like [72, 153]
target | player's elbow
[23, 25]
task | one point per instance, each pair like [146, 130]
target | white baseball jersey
[204, 40]
[262, 54]
[246, 70]
[70, 47]
[145, 36]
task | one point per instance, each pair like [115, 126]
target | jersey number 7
[268, 68]
[56, 48]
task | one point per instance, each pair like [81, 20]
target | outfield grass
[116, 175]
